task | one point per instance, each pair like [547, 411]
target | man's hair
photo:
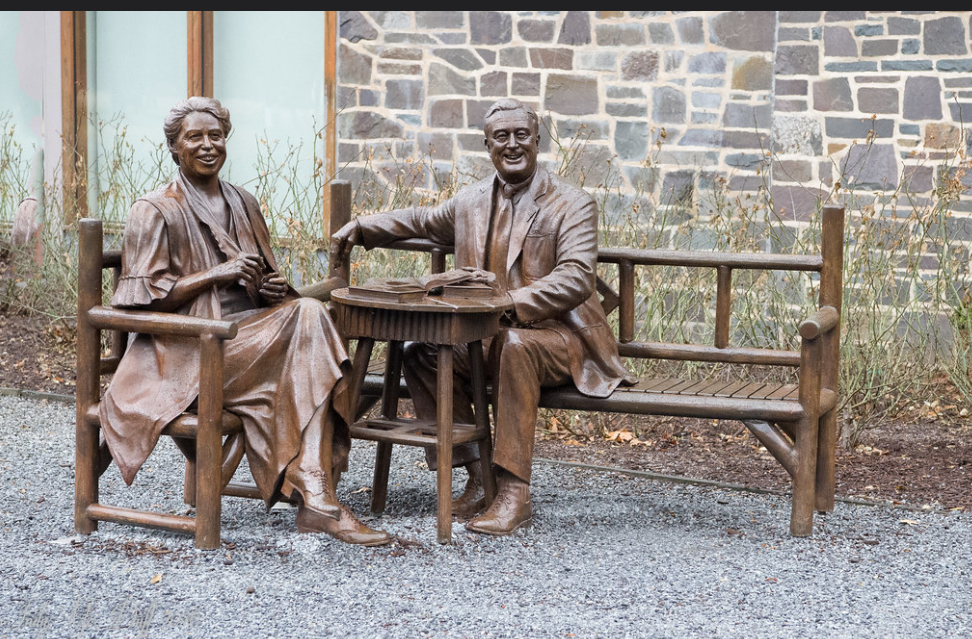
[178, 113]
[509, 104]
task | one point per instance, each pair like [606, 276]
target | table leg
[481, 409]
[389, 410]
[444, 442]
[362, 355]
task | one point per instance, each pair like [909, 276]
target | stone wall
[665, 106]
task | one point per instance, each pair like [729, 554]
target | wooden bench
[797, 423]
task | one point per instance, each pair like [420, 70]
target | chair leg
[801, 517]
[209, 445]
[188, 449]
[826, 463]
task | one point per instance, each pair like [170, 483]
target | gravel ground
[609, 555]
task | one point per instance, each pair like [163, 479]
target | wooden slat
[748, 389]
[697, 386]
[782, 391]
[765, 391]
[713, 388]
[730, 389]
[668, 383]
[678, 388]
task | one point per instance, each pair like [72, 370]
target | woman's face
[201, 146]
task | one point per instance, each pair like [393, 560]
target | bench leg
[804, 479]
[826, 462]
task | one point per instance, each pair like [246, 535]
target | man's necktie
[500, 233]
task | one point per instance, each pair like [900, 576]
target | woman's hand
[245, 267]
[273, 289]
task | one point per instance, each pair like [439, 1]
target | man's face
[201, 146]
[512, 143]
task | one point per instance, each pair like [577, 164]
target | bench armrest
[102, 317]
[824, 320]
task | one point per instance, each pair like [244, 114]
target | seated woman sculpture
[200, 246]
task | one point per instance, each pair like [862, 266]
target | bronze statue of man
[538, 235]
[200, 246]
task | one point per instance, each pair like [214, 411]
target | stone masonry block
[561, 58]
[918, 179]
[446, 114]
[906, 65]
[797, 135]
[490, 27]
[877, 100]
[513, 57]
[903, 26]
[440, 19]
[954, 66]
[437, 145]
[754, 73]
[393, 20]
[706, 100]
[945, 36]
[857, 128]
[799, 17]
[404, 94]
[360, 125]
[744, 30]
[711, 62]
[910, 46]
[476, 113]
[673, 60]
[355, 27]
[794, 34]
[461, 58]
[626, 110]
[797, 60]
[839, 42]
[536, 30]
[845, 16]
[879, 48]
[603, 60]
[493, 84]
[747, 116]
[660, 33]
[690, 30]
[615, 92]
[640, 66]
[874, 167]
[445, 81]
[796, 203]
[571, 95]
[868, 30]
[800, 171]
[923, 98]
[526, 84]
[576, 29]
[832, 95]
[668, 105]
[355, 68]
[631, 140]
[619, 35]
[791, 87]
[939, 135]
[488, 55]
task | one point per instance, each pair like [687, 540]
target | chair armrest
[824, 320]
[102, 317]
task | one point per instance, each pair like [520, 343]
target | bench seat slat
[749, 389]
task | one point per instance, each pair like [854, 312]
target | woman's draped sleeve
[146, 273]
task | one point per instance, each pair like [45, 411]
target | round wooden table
[446, 322]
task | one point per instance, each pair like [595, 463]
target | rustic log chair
[210, 462]
[797, 423]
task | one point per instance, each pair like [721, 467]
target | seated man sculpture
[200, 246]
[538, 235]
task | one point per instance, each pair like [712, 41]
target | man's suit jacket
[551, 265]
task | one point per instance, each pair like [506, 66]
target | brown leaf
[156, 579]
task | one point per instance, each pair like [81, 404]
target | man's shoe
[510, 511]
[472, 501]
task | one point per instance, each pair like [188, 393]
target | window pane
[269, 72]
[137, 70]
[21, 113]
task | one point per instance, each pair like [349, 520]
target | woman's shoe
[346, 527]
